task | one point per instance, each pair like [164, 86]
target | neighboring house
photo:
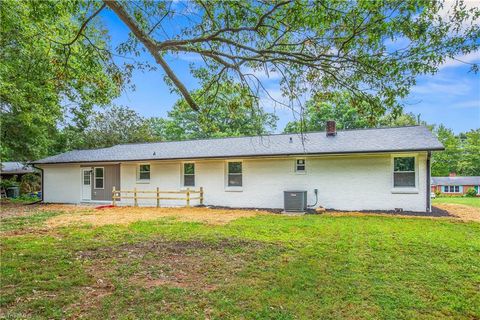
[367, 169]
[10, 169]
[454, 185]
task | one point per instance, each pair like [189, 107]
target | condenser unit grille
[295, 201]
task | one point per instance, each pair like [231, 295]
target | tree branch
[151, 46]
[84, 25]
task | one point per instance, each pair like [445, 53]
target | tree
[348, 114]
[232, 112]
[373, 49]
[469, 164]
[115, 125]
[51, 64]
[445, 162]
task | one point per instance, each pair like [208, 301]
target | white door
[86, 184]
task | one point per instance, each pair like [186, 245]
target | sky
[450, 97]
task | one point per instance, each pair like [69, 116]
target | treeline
[237, 114]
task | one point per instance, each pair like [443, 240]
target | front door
[87, 184]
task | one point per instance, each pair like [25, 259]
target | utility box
[295, 201]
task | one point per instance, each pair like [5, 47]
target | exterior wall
[361, 182]
[61, 183]
[353, 182]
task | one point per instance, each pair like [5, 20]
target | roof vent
[291, 140]
[331, 128]
[154, 153]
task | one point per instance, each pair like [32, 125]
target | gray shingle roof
[455, 181]
[15, 168]
[414, 138]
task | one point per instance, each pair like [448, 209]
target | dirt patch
[195, 265]
[452, 211]
[10, 209]
[465, 213]
[127, 215]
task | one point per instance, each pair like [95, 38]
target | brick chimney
[331, 128]
[452, 174]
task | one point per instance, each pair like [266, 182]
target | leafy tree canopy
[445, 162]
[347, 112]
[114, 125]
[469, 164]
[373, 49]
[51, 65]
[231, 112]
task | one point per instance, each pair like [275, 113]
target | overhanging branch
[151, 46]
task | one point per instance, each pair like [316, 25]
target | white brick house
[369, 169]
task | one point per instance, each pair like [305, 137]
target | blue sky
[450, 97]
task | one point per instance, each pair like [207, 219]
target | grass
[472, 202]
[261, 267]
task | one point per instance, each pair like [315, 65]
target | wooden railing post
[201, 196]
[158, 198]
[135, 201]
[188, 197]
[113, 196]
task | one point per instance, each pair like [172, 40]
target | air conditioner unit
[295, 201]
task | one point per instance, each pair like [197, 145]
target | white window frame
[304, 171]
[138, 173]
[392, 169]
[234, 188]
[194, 174]
[95, 178]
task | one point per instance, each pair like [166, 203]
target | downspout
[429, 204]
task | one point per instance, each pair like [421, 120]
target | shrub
[7, 183]
[30, 182]
[471, 193]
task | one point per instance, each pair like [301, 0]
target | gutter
[245, 156]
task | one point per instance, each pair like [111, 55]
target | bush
[30, 182]
[471, 193]
[7, 183]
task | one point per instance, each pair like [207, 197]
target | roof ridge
[265, 135]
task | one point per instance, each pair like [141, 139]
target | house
[455, 186]
[10, 169]
[367, 169]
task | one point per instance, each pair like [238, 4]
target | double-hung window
[99, 177]
[300, 165]
[143, 173]
[189, 174]
[404, 172]
[234, 178]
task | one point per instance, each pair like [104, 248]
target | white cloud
[189, 57]
[452, 86]
[467, 104]
[460, 61]
[263, 74]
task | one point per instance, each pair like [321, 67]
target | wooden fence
[117, 195]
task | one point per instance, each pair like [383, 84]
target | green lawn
[263, 267]
[472, 202]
